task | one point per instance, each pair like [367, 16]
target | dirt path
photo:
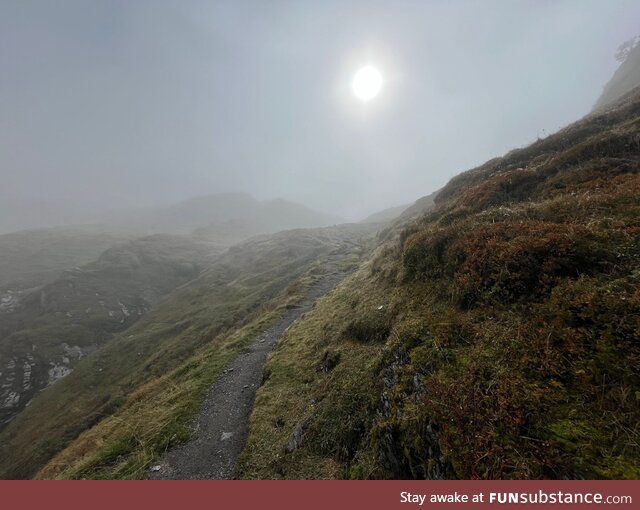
[220, 430]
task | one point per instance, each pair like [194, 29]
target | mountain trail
[221, 428]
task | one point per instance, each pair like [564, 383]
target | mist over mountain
[385, 215]
[31, 258]
[22, 213]
[180, 218]
[119, 105]
[153, 326]
[540, 241]
[214, 210]
[625, 79]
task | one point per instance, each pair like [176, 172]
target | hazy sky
[138, 102]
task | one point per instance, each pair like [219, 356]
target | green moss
[572, 433]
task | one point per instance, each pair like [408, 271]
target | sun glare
[367, 83]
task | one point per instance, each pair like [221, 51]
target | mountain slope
[153, 375]
[496, 337]
[47, 330]
[419, 207]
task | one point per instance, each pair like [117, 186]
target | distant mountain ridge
[179, 218]
[224, 219]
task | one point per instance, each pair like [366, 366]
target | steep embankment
[124, 405]
[496, 337]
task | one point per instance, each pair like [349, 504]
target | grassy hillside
[44, 332]
[126, 403]
[496, 337]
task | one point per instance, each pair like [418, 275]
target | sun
[367, 83]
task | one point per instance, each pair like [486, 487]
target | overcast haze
[121, 103]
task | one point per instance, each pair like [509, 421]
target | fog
[116, 104]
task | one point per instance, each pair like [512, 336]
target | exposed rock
[8, 302]
[11, 399]
[394, 454]
[296, 438]
[56, 373]
[26, 375]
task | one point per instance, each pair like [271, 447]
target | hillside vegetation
[496, 337]
[45, 331]
[125, 404]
